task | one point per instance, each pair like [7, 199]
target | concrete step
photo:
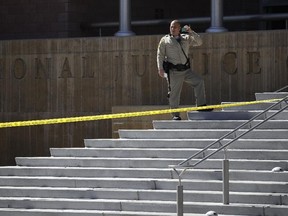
[270, 95]
[235, 115]
[220, 115]
[276, 144]
[67, 212]
[241, 164]
[138, 205]
[144, 183]
[217, 124]
[133, 194]
[163, 173]
[201, 133]
[280, 116]
[96, 162]
[77, 182]
[167, 153]
[261, 106]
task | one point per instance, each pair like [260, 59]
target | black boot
[205, 110]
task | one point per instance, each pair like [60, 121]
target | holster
[166, 66]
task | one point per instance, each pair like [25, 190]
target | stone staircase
[130, 176]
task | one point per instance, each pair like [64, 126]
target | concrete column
[216, 17]
[125, 19]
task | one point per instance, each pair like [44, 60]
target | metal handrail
[233, 132]
[235, 18]
[225, 161]
[281, 89]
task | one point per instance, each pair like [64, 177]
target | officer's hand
[161, 73]
[187, 28]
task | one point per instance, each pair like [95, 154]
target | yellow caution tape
[125, 115]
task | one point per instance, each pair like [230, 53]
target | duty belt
[179, 67]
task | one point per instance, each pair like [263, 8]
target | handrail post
[225, 176]
[179, 200]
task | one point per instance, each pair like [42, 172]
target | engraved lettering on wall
[119, 59]
[145, 65]
[2, 69]
[253, 63]
[19, 68]
[140, 64]
[205, 63]
[135, 63]
[43, 70]
[66, 70]
[86, 67]
[229, 63]
[287, 64]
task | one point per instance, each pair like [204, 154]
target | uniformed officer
[173, 49]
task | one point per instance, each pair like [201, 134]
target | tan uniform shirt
[170, 50]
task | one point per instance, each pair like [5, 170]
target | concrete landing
[222, 115]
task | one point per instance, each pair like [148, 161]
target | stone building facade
[23, 19]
